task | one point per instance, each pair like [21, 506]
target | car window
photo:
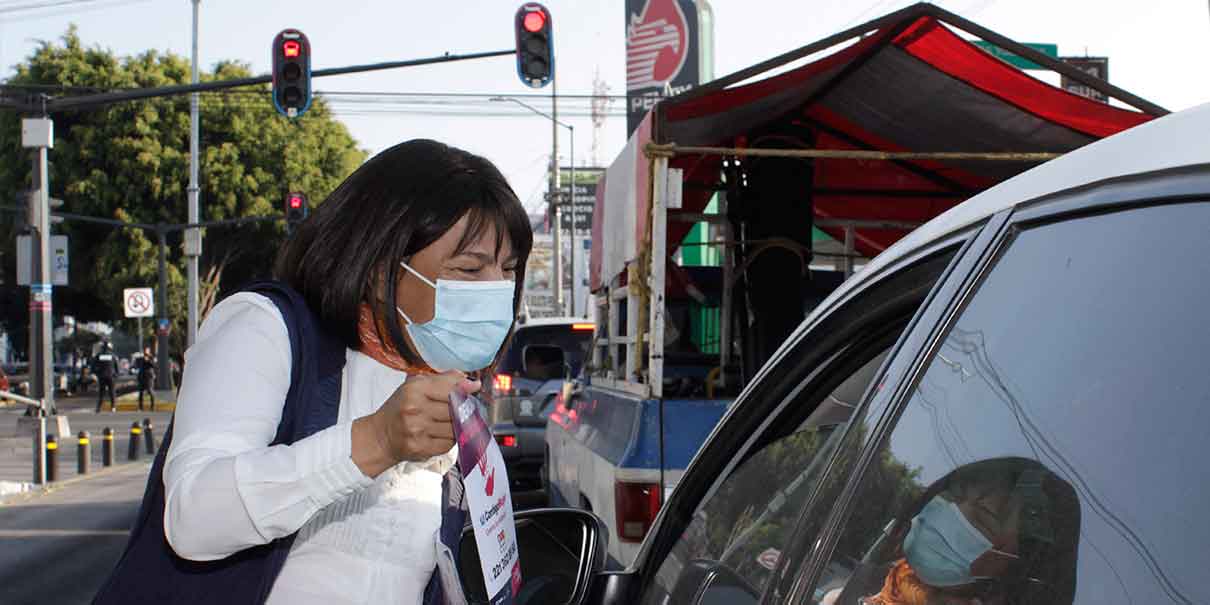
[1049, 453]
[574, 342]
[744, 524]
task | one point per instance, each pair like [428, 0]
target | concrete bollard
[83, 453]
[148, 437]
[107, 447]
[136, 432]
[52, 459]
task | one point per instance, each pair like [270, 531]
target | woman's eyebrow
[479, 256]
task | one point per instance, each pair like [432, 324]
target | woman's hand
[412, 425]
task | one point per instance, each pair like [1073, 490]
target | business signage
[668, 51]
[1095, 66]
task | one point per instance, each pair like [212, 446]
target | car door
[1042, 446]
[722, 535]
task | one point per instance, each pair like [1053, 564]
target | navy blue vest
[149, 571]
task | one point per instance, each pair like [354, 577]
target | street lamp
[555, 166]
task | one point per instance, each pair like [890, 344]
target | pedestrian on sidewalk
[146, 378]
[311, 458]
[105, 366]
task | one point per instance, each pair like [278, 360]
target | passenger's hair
[393, 206]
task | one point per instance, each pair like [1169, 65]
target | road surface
[59, 546]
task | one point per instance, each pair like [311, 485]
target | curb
[39, 491]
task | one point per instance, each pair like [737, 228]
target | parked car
[1035, 333]
[528, 381]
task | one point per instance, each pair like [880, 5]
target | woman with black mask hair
[999, 531]
[413, 267]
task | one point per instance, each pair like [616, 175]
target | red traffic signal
[533, 21]
[297, 208]
[291, 73]
[535, 45]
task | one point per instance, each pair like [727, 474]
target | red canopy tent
[904, 82]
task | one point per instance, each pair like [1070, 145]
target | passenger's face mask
[942, 545]
[470, 322]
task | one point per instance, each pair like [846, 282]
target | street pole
[193, 237]
[41, 288]
[574, 241]
[38, 134]
[164, 378]
[554, 196]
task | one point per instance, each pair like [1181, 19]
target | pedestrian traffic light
[291, 73]
[535, 45]
[297, 208]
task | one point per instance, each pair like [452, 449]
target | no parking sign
[138, 302]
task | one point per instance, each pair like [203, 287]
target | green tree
[130, 161]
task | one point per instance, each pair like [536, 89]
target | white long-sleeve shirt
[359, 540]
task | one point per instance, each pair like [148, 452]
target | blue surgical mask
[470, 321]
[942, 545]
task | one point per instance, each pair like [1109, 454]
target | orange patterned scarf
[372, 346]
[902, 587]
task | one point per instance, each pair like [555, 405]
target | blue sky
[1159, 52]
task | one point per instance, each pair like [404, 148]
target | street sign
[1050, 50]
[1095, 66]
[138, 302]
[58, 259]
[163, 327]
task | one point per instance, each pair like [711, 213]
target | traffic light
[297, 209]
[291, 73]
[535, 45]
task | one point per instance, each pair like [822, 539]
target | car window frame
[659, 543]
[1170, 186]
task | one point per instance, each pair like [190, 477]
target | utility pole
[554, 194]
[572, 208]
[38, 134]
[164, 377]
[193, 237]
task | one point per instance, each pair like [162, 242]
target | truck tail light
[636, 505]
[507, 440]
[503, 383]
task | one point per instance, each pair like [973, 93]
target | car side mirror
[543, 362]
[561, 550]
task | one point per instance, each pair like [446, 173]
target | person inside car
[998, 531]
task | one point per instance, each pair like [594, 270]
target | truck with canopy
[857, 139]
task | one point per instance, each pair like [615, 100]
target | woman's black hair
[393, 206]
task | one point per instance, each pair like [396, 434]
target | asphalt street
[59, 546]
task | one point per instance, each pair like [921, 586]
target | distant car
[527, 383]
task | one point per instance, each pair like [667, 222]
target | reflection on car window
[1046, 456]
[745, 524]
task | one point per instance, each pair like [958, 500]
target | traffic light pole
[164, 376]
[193, 237]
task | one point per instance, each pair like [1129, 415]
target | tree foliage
[130, 161]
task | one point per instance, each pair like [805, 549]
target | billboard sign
[1095, 66]
[667, 52]
[539, 300]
